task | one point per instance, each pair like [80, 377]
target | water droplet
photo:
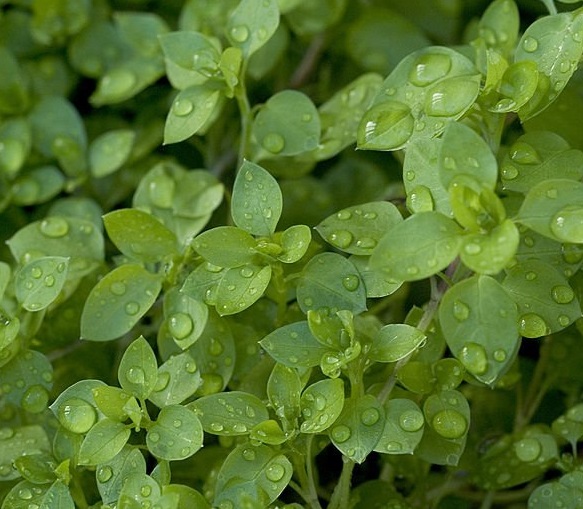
[530, 44]
[410, 175]
[49, 281]
[449, 424]
[366, 243]
[450, 97]
[162, 381]
[533, 325]
[190, 367]
[388, 125]
[161, 191]
[77, 415]
[528, 449]
[216, 427]
[240, 33]
[473, 248]
[509, 172]
[351, 283]
[136, 375]
[118, 288]
[104, 474]
[499, 355]
[246, 272]
[429, 68]
[530, 276]
[523, 153]
[24, 494]
[275, 472]
[54, 227]
[473, 357]
[6, 433]
[341, 433]
[412, 270]
[132, 308]
[239, 428]
[567, 224]
[461, 311]
[564, 320]
[182, 107]
[340, 238]
[528, 241]
[36, 272]
[154, 436]
[273, 142]
[420, 199]
[215, 347]
[180, 325]
[411, 420]
[370, 416]
[562, 294]
[249, 454]
[35, 399]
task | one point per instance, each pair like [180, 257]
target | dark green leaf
[321, 404]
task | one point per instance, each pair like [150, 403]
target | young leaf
[479, 320]
[139, 235]
[176, 434]
[118, 301]
[76, 408]
[39, 282]
[252, 475]
[295, 241]
[138, 369]
[109, 151]
[499, 25]
[418, 247]
[395, 341]
[358, 429]
[241, 287]
[116, 404]
[225, 246]
[283, 390]
[358, 229]
[252, 24]
[404, 423]
[321, 404]
[103, 441]
[178, 379]
[287, 124]
[230, 413]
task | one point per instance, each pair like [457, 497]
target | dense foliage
[194, 254]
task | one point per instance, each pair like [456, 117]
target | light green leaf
[404, 423]
[358, 429]
[358, 229]
[176, 434]
[321, 404]
[37, 186]
[229, 413]
[516, 87]
[109, 151]
[252, 24]
[37, 468]
[19, 441]
[257, 203]
[103, 441]
[178, 379]
[268, 432]
[192, 108]
[557, 199]
[75, 407]
[138, 369]
[546, 302]
[111, 475]
[39, 282]
[479, 320]
[253, 476]
[118, 301]
[116, 404]
[538, 156]
[189, 497]
[241, 287]
[394, 342]
[139, 235]
[499, 25]
[418, 247]
[283, 390]
[225, 246]
[548, 495]
[287, 124]
[293, 345]
[463, 151]
[330, 280]
[295, 241]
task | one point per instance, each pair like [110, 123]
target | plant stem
[341, 495]
[309, 62]
[551, 7]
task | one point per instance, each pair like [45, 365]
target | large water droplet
[118, 288]
[136, 375]
[351, 283]
[509, 172]
[180, 325]
[132, 308]
[449, 424]
[530, 44]
[161, 191]
[567, 224]
[528, 449]
[24, 494]
[420, 199]
[162, 381]
[461, 311]
[533, 325]
[429, 68]
[273, 142]
[341, 433]
[370, 416]
[411, 420]
[77, 415]
[35, 399]
[104, 474]
[450, 97]
[388, 125]
[240, 33]
[249, 454]
[54, 227]
[182, 107]
[473, 357]
[275, 472]
[523, 153]
[340, 238]
[562, 294]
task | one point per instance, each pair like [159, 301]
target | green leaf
[112, 474]
[321, 404]
[14, 91]
[109, 151]
[295, 242]
[17, 442]
[448, 416]
[268, 432]
[283, 390]
[241, 287]
[39, 282]
[176, 434]
[225, 246]
[358, 429]
[16, 139]
[253, 476]
[557, 199]
[418, 247]
[555, 45]
[37, 186]
[293, 345]
[189, 497]
[138, 369]
[230, 413]
[499, 25]
[550, 494]
[311, 18]
[116, 404]
[569, 426]
[538, 156]
[479, 320]
[358, 229]
[287, 124]
[54, 496]
[185, 317]
[37, 468]
[103, 441]
[67, 237]
[463, 151]
[330, 280]
[437, 83]
[178, 379]
[516, 87]
[118, 301]
[404, 424]
[546, 302]
[76, 408]
[394, 342]
[257, 203]
[252, 24]
[190, 112]
[376, 282]
[139, 235]
[139, 490]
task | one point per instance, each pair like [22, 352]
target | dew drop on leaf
[461, 311]
[411, 420]
[118, 288]
[509, 172]
[154, 436]
[351, 283]
[562, 294]
[25, 494]
[162, 381]
[136, 375]
[449, 424]
[533, 325]
[246, 272]
[182, 107]
[567, 224]
[54, 227]
[530, 44]
[524, 153]
[248, 454]
[49, 281]
[273, 142]
[180, 325]
[35, 399]
[77, 415]
[499, 355]
[429, 68]
[36, 272]
[340, 238]
[240, 33]
[104, 473]
[420, 199]
[473, 357]
[132, 308]
[344, 215]
[472, 248]
[528, 449]
[161, 191]
[450, 97]
[370, 416]
[341, 433]
[275, 472]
